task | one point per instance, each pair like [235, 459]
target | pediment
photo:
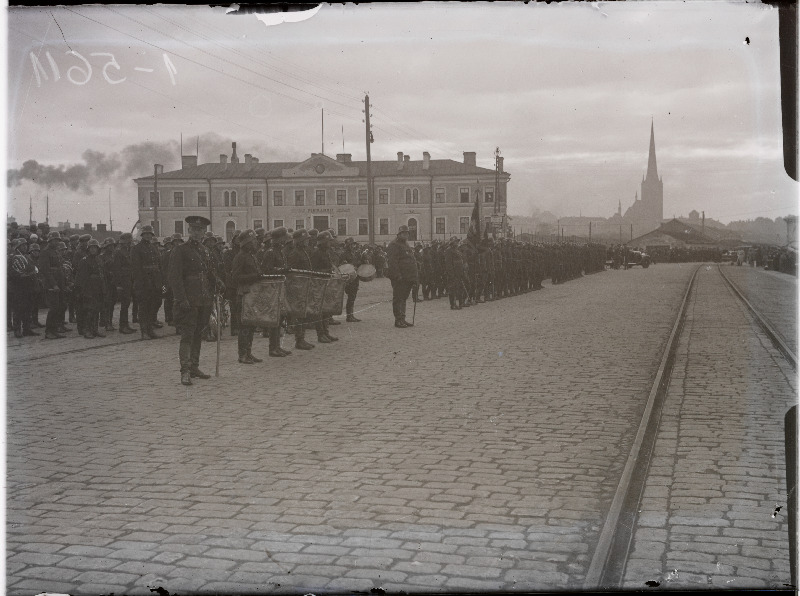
[320, 166]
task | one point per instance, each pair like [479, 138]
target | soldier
[22, 282]
[323, 261]
[123, 280]
[351, 254]
[177, 240]
[50, 266]
[454, 268]
[274, 263]
[148, 282]
[110, 289]
[298, 258]
[75, 300]
[33, 252]
[192, 279]
[244, 271]
[403, 274]
[91, 282]
[426, 273]
[230, 292]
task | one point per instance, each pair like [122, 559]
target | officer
[274, 263]
[244, 271]
[192, 280]
[298, 258]
[148, 282]
[91, 284]
[403, 275]
[123, 280]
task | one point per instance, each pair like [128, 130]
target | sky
[567, 91]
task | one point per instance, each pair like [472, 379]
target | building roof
[216, 171]
[685, 233]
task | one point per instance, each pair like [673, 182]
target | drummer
[274, 262]
[322, 260]
[244, 271]
[351, 255]
[298, 258]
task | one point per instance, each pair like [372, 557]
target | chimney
[188, 161]
[248, 158]
[234, 159]
[399, 160]
[87, 227]
[255, 159]
[500, 163]
[469, 158]
[344, 157]
[159, 169]
[101, 227]
[407, 158]
[426, 160]
[223, 158]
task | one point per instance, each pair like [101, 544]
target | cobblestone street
[478, 450]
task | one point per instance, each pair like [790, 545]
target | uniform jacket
[453, 263]
[401, 262]
[146, 267]
[274, 261]
[50, 266]
[323, 260]
[91, 277]
[244, 271]
[190, 274]
[123, 271]
[298, 258]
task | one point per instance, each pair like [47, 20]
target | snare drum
[366, 272]
[348, 270]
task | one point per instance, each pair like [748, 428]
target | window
[277, 198]
[156, 228]
[362, 196]
[202, 199]
[258, 223]
[155, 199]
[299, 224]
[341, 197]
[464, 225]
[321, 222]
[299, 197]
[256, 198]
[416, 196]
[384, 227]
[363, 227]
[226, 198]
[177, 199]
[412, 229]
[408, 195]
[383, 196]
[439, 195]
[233, 198]
[230, 228]
[277, 223]
[320, 197]
[179, 227]
[440, 225]
[341, 227]
[464, 194]
[488, 194]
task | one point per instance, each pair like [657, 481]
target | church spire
[652, 170]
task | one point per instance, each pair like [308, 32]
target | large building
[648, 211]
[433, 197]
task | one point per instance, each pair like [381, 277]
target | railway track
[608, 564]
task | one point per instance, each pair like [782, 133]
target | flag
[474, 232]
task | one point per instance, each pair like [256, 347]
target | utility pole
[30, 209]
[47, 209]
[370, 200]
[110, 221]
[323, 131]
[156, 199]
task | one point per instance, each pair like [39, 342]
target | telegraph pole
[47, 209]
[30, 209]
[156, 200]
[110, 221]
[370, 200]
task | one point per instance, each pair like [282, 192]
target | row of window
[322, 222]
[230, 197]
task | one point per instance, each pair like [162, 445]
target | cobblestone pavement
[478, 450]
[773, 294]
[714, 508]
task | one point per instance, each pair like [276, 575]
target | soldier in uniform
[454, 269]
[192, 279]
[244, 271]
[230, 292]
[50, 266]
[298, 258]
[33, 252]
[110, 289]
[274, 263]
[403, 274]
[91, 282]
[148, 282]
[351, 254]
[323, 261]
[123, 280]
[22, 281]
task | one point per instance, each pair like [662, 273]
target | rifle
[219, 323]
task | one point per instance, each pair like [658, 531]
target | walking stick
[219, 329]
[414, 313]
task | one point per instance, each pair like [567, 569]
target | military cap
[290, 230]
[332, 232]
[197, 220]
[33, 238]
[402, 229]
[177, 237]
[219, 239]
[313, 232]
[109, 242]
[326, 235]
[247, 237]
[85, 238]
[23, 233]
[17, 242]
[148, 230]
[279, 233]
[454, 239]
[93, 242]
[74, 237]
[61, 246]
[348, 240]
[53, 236]
[209, 236]
[299, 234]
[126, 236]
[35, 247]
[166, 240]
[260, 232]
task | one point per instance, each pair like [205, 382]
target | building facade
[434, 198]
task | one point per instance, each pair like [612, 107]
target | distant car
[637, 257]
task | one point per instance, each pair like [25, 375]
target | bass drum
[348, 270]
[366, 272]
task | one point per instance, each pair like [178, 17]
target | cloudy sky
[566, 91]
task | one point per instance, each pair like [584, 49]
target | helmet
[93, 242]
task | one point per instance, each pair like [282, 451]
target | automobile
[638, 257]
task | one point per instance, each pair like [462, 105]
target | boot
[330, 321]
[186, 379]
[196, 373]
[29, 332]
[145, 334]
[89, 334]
[331, 337]
[254, 359]
[276, 353]
[323, 339]
[303, 345]
[98, 331]
[126, 330]
[151, 334]
[285, 352]
[54, 335]
[352, 319]
[245, 359]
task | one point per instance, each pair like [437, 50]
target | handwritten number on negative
[112, 62]
[84, 72]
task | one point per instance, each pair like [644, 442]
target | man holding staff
[403, 274]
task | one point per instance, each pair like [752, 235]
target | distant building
[433, 197]
[680, 234]
[648, 212]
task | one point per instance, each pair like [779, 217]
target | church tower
[652, 185]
